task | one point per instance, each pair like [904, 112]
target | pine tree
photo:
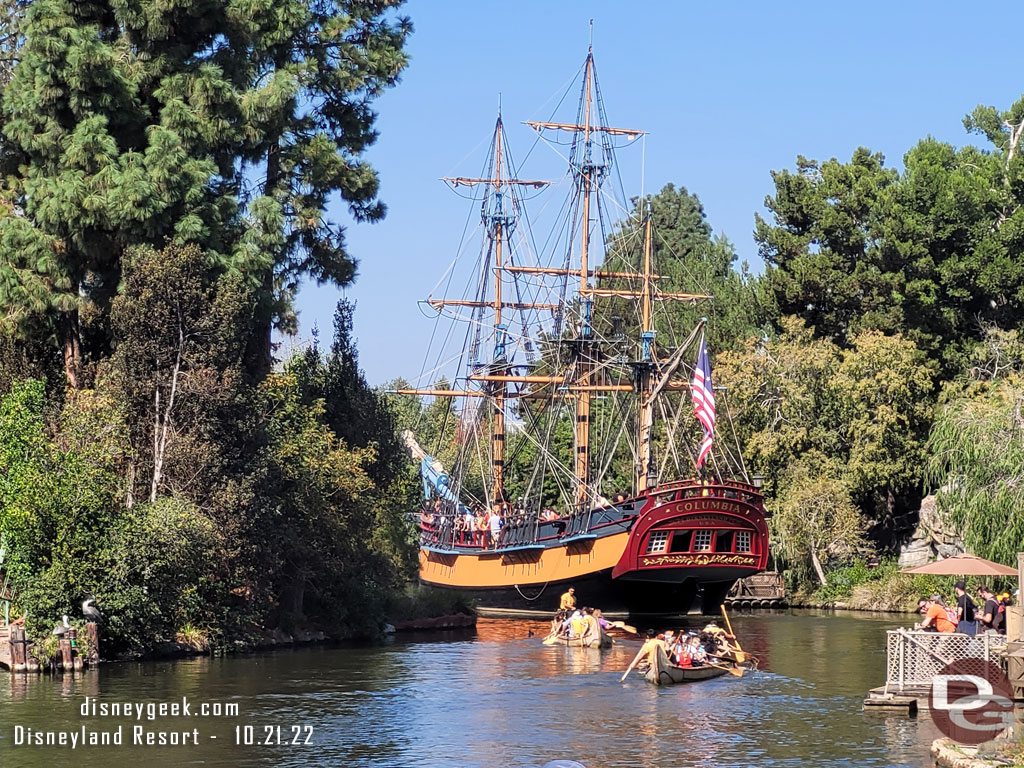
[145, 122]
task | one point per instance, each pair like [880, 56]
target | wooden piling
[65, 653]
[19, 656]
[93, 633]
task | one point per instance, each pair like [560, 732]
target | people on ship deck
[494, 523]
[568, 600]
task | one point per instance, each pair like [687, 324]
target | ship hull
[674, 550]
[600, 590]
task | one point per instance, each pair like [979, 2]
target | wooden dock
[762, 590]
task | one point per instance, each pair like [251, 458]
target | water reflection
[498, 697]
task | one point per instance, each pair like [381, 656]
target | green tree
[815, 518]
[180, 333]
[825, 264]
[58, 496]
[929, 254]
[159, 576]
[975, 457]
[12, 14]
[855, 418]
[689, 260]
[884, 389]
[137, 123]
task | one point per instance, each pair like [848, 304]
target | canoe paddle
[741, 656]
[622, 625]
[636, 659]
[734, 671]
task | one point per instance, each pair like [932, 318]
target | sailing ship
[555, 396]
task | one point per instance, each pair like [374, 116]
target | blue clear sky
[727, 91]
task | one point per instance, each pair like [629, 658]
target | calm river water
[490, 699]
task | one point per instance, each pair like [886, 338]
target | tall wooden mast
[645, 374]
[499, 221]
[588, 175]
[583, 398]
[500, 357]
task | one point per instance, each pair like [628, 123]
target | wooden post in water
[19, 662]
[93, 633]
[65, 653]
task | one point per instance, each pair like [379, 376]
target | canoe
[605, 641]
[664, 672]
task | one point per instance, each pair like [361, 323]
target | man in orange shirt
[936, 616]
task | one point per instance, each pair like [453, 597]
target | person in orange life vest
[684, 657]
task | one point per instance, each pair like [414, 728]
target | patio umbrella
[963, 565]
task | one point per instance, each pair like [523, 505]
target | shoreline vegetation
[881, 589]
[161, 201]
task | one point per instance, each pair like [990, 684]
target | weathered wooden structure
[16, 655]
[761, 590]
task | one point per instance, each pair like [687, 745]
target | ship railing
[914, 657]
[529, 531]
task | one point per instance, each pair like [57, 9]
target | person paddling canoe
[568, 601]
[649, 649]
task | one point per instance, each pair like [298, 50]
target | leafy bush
[882, 588]
[159, 574]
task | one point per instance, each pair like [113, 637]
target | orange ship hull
[661, 551]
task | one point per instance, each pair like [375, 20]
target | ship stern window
[723, 541]
[681, 541]
[742, 541]
[702, 541]
[658, 542]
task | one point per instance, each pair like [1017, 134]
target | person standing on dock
[568, 601]
[990, 613]
[964, 610]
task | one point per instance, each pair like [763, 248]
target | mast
[583, 398]
[499, 223]
[498, 421]
[590, 174]
[646, 415]
[581, 375]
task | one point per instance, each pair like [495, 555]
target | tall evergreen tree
[140, 122]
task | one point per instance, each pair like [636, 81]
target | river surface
[495, 698]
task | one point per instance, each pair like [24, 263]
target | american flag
[703, 401]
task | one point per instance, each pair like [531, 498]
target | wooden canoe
[664, 672]
[605, 641]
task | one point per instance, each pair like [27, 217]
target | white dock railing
[914, 657]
